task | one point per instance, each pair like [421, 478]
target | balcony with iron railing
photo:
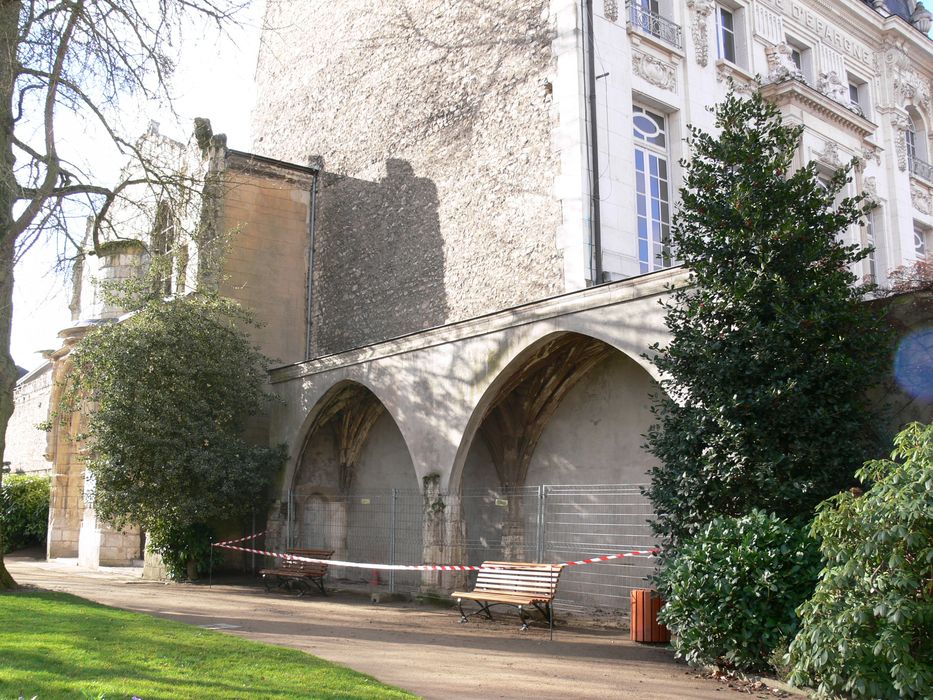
[920, 168]
[653, 24]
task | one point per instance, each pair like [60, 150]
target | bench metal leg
[521, 614]
[483, 608]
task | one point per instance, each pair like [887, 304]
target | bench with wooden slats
[291, 573]
[513, 583]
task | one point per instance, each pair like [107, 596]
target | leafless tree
[83, 59]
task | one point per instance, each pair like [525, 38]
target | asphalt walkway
[417, 647]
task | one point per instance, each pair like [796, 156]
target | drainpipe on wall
[590, 79]
[318, 163]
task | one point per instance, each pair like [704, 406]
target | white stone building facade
[856, 76]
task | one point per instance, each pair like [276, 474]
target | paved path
[416, 647]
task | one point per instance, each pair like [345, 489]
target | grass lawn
[54, 645]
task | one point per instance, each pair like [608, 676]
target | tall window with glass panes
[652, 190]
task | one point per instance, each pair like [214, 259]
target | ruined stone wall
[25, 444]
[434, 121]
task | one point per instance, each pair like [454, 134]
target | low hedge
[24, 511]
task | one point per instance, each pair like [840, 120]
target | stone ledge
[651, 284]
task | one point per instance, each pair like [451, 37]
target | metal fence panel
[549, 523]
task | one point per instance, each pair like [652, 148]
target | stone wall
[265, 216]
[434, 120]
[26, 444]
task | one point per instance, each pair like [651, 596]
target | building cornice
[651, 284]
[262, 166]
[797, 92]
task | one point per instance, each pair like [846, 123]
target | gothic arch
[518, 403]
[366, 404]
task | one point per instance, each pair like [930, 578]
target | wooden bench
[513, 583]
[290, 572]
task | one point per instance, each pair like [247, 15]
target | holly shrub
[732, 589]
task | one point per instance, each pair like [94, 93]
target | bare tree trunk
[9, 29]
[8, 375]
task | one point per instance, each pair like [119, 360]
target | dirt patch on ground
[418, 647]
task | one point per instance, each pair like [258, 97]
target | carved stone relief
[920, 196]
[907, 85]
[740, 82]
[655, 71]
[698, 27]
[901, 124]
[870, 187]
[781, 65]
[611, 10]
[830, 154]
[870, 152]
[832, 86]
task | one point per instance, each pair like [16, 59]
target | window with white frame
[915, 136]
[802, 57]
[858, 94]
[870, 240]
[652, 190]
[911, 137]
[726, 34]
[730, 33]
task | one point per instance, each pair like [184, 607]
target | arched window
[916, 136]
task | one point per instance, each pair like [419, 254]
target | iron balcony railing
[921, 169]
[654, 24]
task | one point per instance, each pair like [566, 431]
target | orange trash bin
[646, 604]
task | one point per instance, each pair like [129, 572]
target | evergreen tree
[764, 402]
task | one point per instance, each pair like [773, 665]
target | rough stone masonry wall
[26, 444]
[434, 122]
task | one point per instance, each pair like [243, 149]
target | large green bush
[732, 589]
[169, 392]
[867, 632]
[24, 511]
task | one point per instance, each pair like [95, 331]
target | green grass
[54, 645]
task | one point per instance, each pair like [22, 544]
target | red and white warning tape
[242, 539]
[609, 557]
[419, 567]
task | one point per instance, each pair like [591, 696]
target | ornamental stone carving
[698, 28]
[920, 197]
[611, 10]
[781, 64]
[870, 188]
[655, 71]
[830, 154]
[871, 152]
[906, 84]
[832, 86]
[901, 124]
[911, 87]
[740, 83]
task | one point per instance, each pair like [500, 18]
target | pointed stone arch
[519, 402]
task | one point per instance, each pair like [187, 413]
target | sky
[213, 79]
